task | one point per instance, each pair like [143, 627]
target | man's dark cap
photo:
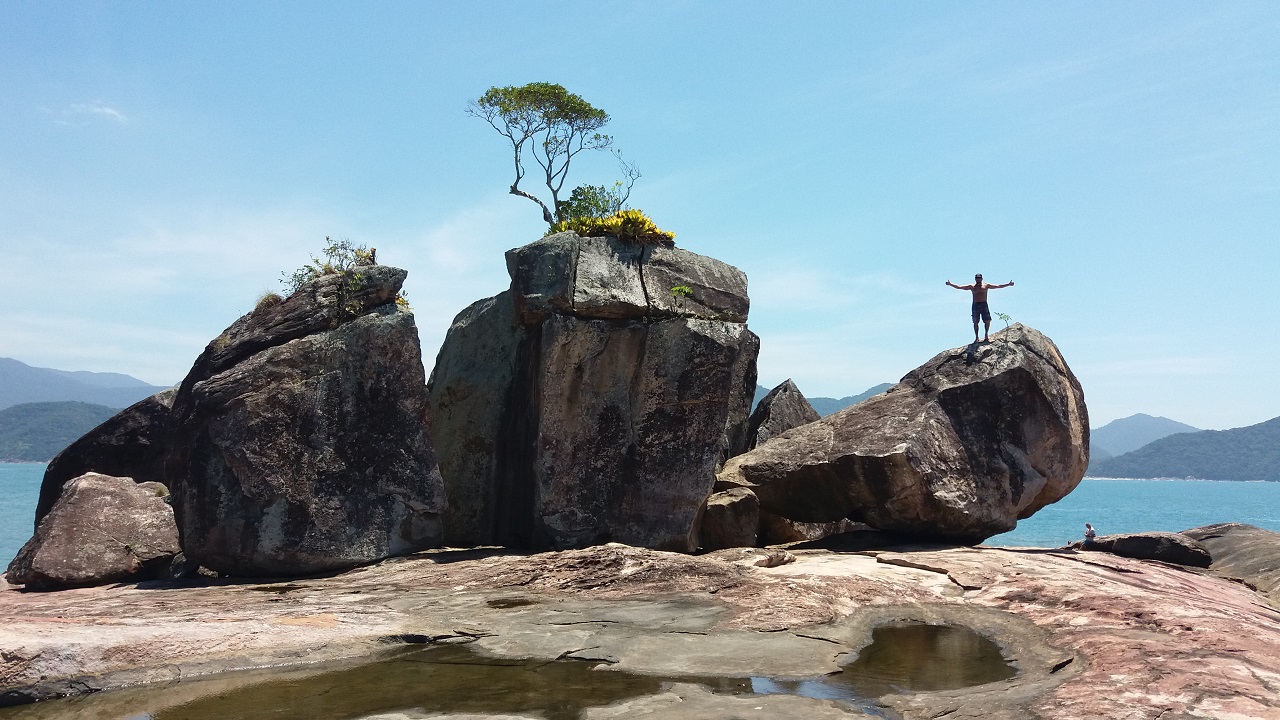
[978, 276]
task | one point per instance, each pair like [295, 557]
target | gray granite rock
[784, 408]
[102, 529]
[959, 450]
[300, 436]
[577, 409]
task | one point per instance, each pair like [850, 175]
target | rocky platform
[1093, 635]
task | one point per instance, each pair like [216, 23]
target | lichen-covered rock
[129, 444]
[101, 529]
[300, 436]
[731, 519]
[1163, 546]
[958, 451]
[784, 408]
[590, 403]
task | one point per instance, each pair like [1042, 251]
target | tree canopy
[553, 125]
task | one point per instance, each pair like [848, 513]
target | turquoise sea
[1112, 505]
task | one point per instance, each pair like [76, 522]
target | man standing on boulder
[980, 309]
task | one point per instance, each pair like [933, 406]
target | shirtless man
[980, 309]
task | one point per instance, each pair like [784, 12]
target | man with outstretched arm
[980, 309]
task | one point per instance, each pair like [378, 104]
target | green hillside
[1247, 453]
[35, 432]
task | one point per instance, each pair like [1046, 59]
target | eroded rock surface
[300, 436]
[1093, 635]
[959, 450]
[589, 403]
[130, 444]
[102, 529]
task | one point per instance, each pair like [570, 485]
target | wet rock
[784, 408]
[102, 529]
[730, 520]
[590, 404]
[300, 436]
[130, 444]
[959, 450]
[1163, 546]
[1245, 553]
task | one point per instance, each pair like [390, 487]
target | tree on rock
[553, 125]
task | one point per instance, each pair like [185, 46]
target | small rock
[730, 519]
[102, 529]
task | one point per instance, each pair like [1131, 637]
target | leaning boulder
[590, 403]
[102, 529]
[129, 444]
[784, 408]
[300, 440]
[959, 450]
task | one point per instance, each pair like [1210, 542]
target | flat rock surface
[1092, 635]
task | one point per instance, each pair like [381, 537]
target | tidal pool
[456, 679]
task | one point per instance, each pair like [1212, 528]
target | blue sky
[161, 164]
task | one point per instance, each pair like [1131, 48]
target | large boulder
[1245, 553]
[300, 439]
[590, 403]
[102, 529]
[1174, 548]
[784, 408]
[129, 444]
[959, 450]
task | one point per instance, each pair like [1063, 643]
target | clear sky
[162, 163]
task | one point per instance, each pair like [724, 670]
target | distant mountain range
[1247, 453]
[35, 432]
[828, 406]
[1128, 434]
[21, 383]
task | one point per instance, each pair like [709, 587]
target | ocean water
[19, 490]
[1115, 505]
[1112, 505]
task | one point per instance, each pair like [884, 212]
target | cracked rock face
[959, 450]
[102, 529]
[590, 403]
[299, 439]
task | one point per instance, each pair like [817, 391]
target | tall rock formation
[130, 444]
[959, 450]
[591, 403]
[299, 439]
